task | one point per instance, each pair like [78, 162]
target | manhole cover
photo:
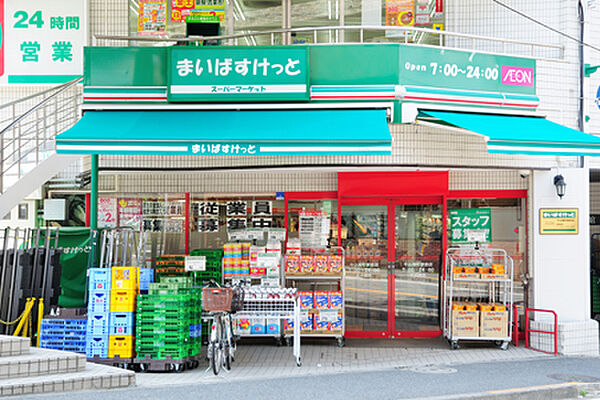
[432, 369]
[574, 378]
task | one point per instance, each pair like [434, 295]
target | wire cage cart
[273, 304]
[478, 295]
[314, 280]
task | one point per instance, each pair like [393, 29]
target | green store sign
[464, 70]
[224, 74]
[469, 225]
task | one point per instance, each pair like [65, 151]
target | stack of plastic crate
[168, 320]
[171, 265]
[214, 261]
[124, 290]
[99, 280]
[63, 334]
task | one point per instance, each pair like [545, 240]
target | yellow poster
[400, 12]
[559, 221]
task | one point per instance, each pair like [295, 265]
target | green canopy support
[94, 193]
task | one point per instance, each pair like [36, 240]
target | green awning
[520, 135]
[248, 133]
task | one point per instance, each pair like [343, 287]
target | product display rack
[317, 279]
[276, 309]
[478, 283]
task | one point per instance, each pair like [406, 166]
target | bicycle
[221, 302]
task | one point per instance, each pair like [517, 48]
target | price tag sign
[328, 315]
[195, 263]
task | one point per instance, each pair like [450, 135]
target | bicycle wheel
[227, 345]
[216, 359]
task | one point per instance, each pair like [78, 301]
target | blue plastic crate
[96, 346]
[122, 323]
[146, 277]
[97, 324]
[99, 279]
[99, 302]
[52, 331]
[48, 323]
[53, 343]
[75, 348]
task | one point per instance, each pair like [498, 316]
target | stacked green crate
[214, 261]
[167, 320]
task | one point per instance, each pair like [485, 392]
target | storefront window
[321, 209]
[213, 219]
[508, 232]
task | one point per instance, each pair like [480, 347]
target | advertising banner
[42, 41]
[152, 17]
[470, 225]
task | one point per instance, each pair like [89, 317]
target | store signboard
[42, 41]
[238, 74]
[469, 225]
[559, 221]
[107, 212]
[455, 69]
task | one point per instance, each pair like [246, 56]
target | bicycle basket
[222, 299]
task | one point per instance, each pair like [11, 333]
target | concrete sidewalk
[266, 361]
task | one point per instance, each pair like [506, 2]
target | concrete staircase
[29, 370]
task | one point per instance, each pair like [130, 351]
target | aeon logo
[516, 76]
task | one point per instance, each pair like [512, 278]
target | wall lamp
[560, 185]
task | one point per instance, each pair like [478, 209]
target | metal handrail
[553, 333]
[361, 28]
[61, 88]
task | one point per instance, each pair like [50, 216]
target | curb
[568, 390]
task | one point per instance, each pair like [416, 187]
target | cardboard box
[465, 323]
[257, 326]
[242, 326]
[494, 324]
[307, 299]
[321, 300]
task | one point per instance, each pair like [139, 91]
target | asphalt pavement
[525, 379]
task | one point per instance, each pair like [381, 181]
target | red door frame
[373, 200]
[424, 200]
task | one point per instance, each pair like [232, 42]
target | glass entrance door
[393, 263]
[364, 235]
[417, 257]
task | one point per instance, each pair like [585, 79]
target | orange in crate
[458, 306]
[470, 307]
[122, 300]
[469, 270]
[483, 270]
[120, 346]
[485, 307]
[457, 270]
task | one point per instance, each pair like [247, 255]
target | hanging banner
[152, 17]
[42, 41]
[197, 10]
[129, 213]
[470, 225]
[107, 212]
[400, 12]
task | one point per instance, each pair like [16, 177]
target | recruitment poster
[152, 17]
